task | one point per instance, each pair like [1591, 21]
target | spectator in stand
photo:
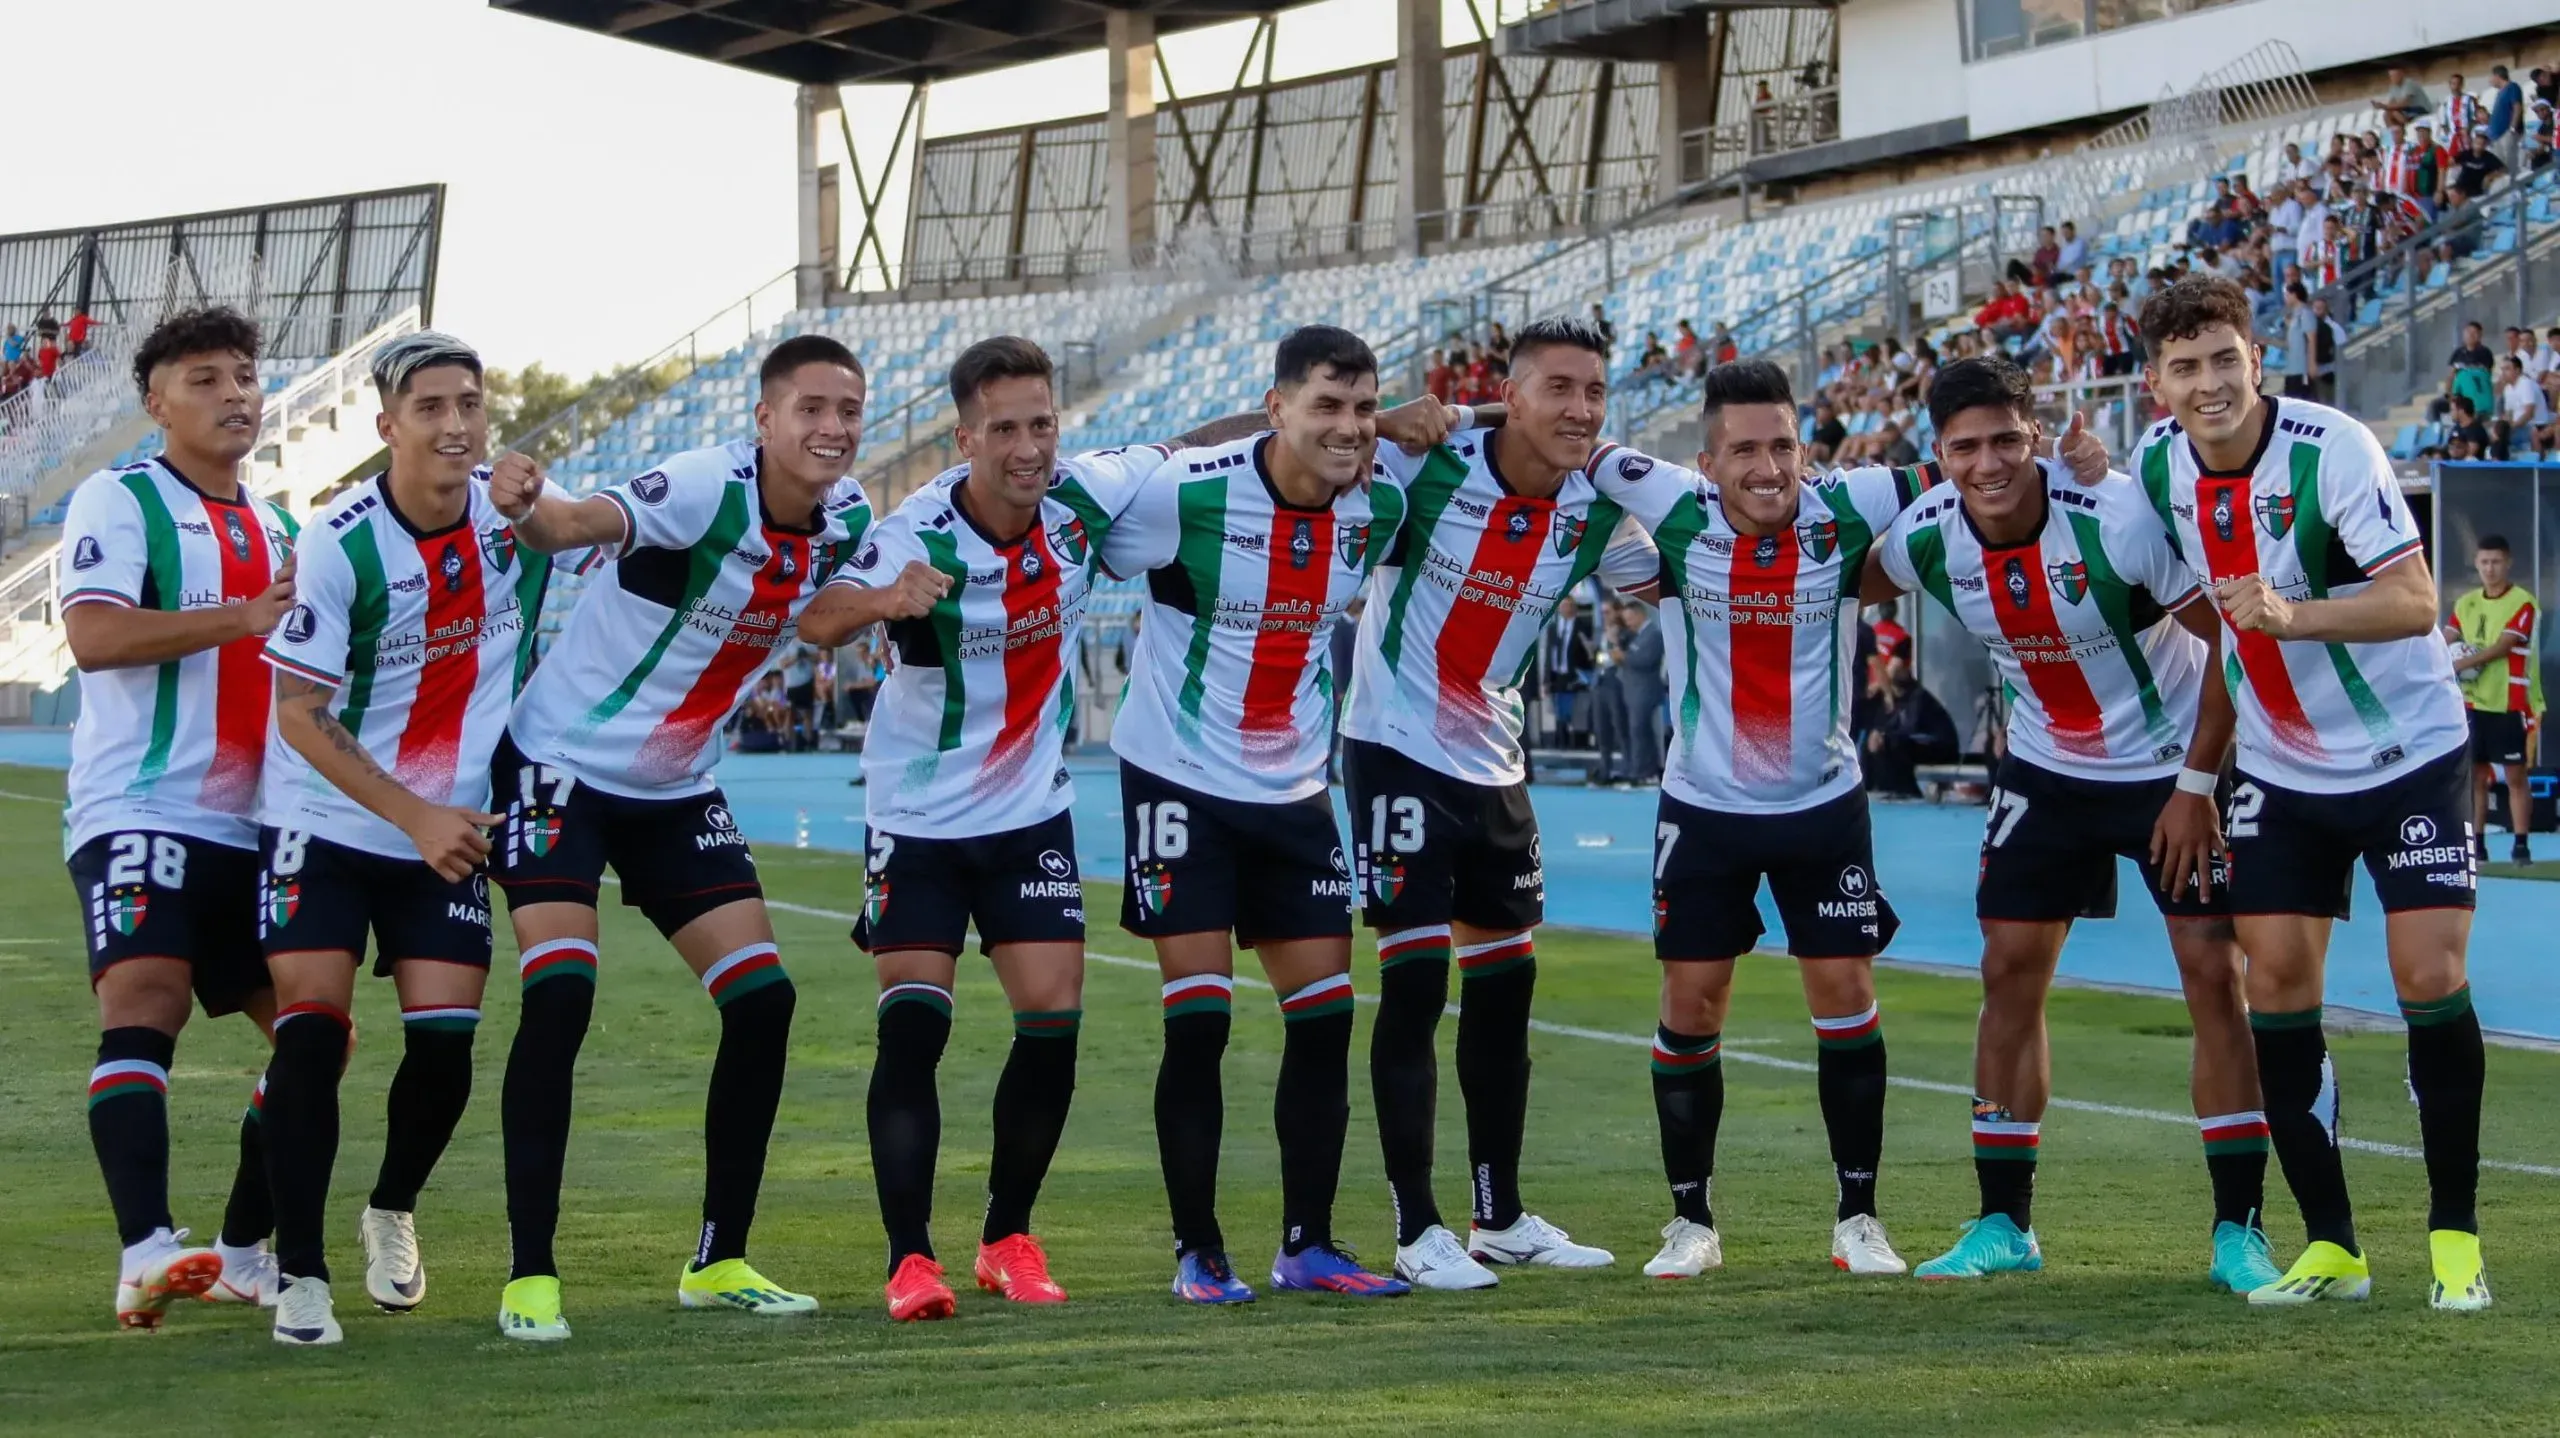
[1894, 447]
[2523, 412]
[2295, 166]
[1912, 728]
[2404, 98]
[2327, 338]
[1823, 441]
[2505, 128]
[2473, 171]
[48, 353]
[2466, 373]
[13, 348]
[1484, 378]
[2459, 116]
[1565, 664]
[2074, 254]
[75, 335]
[1600, 322]
[1687, 359]
[1440, 379]
[2465, 427]
[2546, 85]
[2007, 314]
[1497, 347]
[1722, 345]
[2047, 257]
[1653, 366]
[2545, 358]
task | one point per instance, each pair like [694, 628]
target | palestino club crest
[284, 900]
[1386, 878]
[1351, 541]
[2275, 514]
[1569, 532]
[541, 831]
[1069, 541]
[1819, 539]
[2070, 579]
[1661, 911]
[1155, 890]
[875, 899]
[498, 542]
[126, 908]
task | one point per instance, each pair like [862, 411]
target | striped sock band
[1998, 1136]
[932, 996]
[737, 974]
[2234, 1133]
[2437, 1011]
[122, 1078]
[1856, 1031]
[2296, 1019]
[1324, 996]
[258, 1101]
[1476, 961]
[313, 1010]
[438, 1018]
[1406, 946]
[1677, 1054]
[557, 958]
[1046, 1023]
[1200, 994]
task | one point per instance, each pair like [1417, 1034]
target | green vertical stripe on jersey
[1856, 538]
[1200, 548]
[1680, 529]
[943, 553]
[1386, 519]
[2115, 601]
[533, 579]
[1071, 492]
[1441, 474]
[167, 574]
[706, 557]
[2313, 538]
[2155, 485]
[1599, 526]
[366, 618]
[1927, 548]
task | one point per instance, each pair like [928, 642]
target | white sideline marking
[1645, 1041]
[29, 798]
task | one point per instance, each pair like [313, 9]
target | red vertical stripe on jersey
[1032, 645]
[2043, 654]
[2227, 501]
[243, 685]
[431, 737]
[2519, 679]
[1293, 594]
[1764, 657]
[1481, 613]
[751, 640]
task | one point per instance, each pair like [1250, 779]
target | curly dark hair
[2188, 307]
[215, 329]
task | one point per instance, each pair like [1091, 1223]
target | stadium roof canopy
[1622, 29]
[851, 42]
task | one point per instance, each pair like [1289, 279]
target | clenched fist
[917, 589]
[2252, 604]
[515, 482]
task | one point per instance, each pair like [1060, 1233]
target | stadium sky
[604, 197]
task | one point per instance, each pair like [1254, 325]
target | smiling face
[1558, 394]
[437, 426]
[1009, 434]
[1753, 457]
[810, 424]
[1989, 454]
[2210, 381]
[208, 403]
[1328, 423]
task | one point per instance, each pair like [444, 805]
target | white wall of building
[1900, 59]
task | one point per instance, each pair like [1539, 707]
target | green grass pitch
[2118, 1334]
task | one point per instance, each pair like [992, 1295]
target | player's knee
[145, 993]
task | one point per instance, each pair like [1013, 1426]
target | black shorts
[2497, 738]
[678, 859]
[314, 895]
[2294, 852]
[145, 894]
[2050, 842]
[1430, 849]
[1198, 862]
[1018, 887]
[1820, 864]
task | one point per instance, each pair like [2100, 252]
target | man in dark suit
[1644, 694]
[1564, 664]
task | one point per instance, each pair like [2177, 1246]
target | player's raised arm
[548, 522]
[887, 579]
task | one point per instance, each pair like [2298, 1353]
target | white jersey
[174, 747]
[422, 636]
[1461, 598]
[1231, 690]
[968, 734]
[681, 619]
[2318, 513]
[2075, 617]
[1759, 634]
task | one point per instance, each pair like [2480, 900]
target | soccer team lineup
[306, 750]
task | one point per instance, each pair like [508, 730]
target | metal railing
[1774, 127]
[2118, 409]
[2181, 131]
[41, 425]
[324, 387]
[603, 405]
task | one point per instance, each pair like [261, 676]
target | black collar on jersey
[981, 530]
[180, 476]
[1262, 471]
[817, 512]
[391, 506]
[2266, 436]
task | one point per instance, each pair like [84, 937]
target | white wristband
[1466, 419]
[2197, 781]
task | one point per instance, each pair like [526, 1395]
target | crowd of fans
[2498, 404]
[813, 697]
[32, 356]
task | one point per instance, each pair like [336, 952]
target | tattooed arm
[1221, 431]
[448, 838]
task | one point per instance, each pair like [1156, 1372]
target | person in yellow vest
[2493, 629]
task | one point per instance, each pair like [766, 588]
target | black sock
[1191, 1110]
[129, 1126]
[1311, 1108]
[1032, 1095]
[302, 1131]
[2004, 1162]
[428, 1095]
[533, 1107]
[1404, 1070]
[737, 1116]
[250, 1215]
[1688, 1107]
[2235, 1159]
[2446, 1065]
[1496, 983]
[1849, 1075]
[905, 1113]
[2302, 1117]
